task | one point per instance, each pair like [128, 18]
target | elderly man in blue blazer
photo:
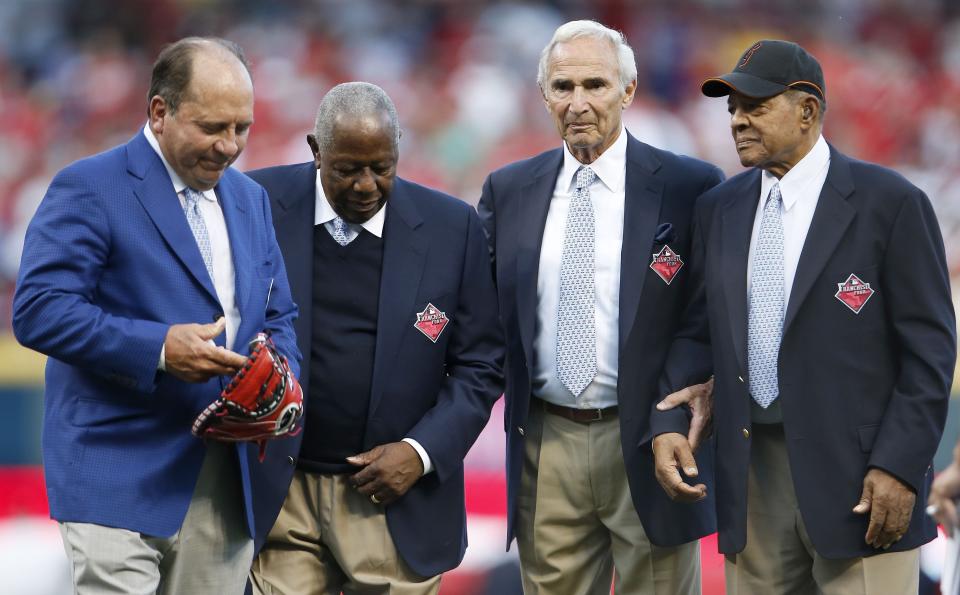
[402, 364]
[591, 245]
[143, 270]
[834, 344]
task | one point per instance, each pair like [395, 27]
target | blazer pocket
[868, 435]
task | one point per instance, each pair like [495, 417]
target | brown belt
[583, 416]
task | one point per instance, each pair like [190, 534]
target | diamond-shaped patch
[431, 322]
[854, 293]
[666, 263]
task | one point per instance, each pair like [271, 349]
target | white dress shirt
[799, 191]
[224, 279]
[324, 215]
[607, 196]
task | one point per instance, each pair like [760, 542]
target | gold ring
[374, 499]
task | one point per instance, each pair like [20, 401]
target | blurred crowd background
[74, 74]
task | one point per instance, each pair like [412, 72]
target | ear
[809, 110]
[628, 94]
[157, 111]
[315, 149]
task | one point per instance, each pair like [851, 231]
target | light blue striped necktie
[576, 333]
[191, 208]
[765, 323]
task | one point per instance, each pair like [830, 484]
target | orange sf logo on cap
[749, 55]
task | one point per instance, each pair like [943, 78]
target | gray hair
[355, 99]
[576, 29]
[798, 95]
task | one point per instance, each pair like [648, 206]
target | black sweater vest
[346, 294]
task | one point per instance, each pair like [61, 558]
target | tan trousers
[779, 557]
[209, 554]
[330, 539]
[577, 529]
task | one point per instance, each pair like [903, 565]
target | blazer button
[740, 378]
[520, 429]
[291, 460]
[746, 433]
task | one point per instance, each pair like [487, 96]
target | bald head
[176, 65]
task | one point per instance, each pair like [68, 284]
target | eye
[243, 128]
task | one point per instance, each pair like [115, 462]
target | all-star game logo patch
[854, 293]
[666, 263]
[431, 322]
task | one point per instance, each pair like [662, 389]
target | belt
[583, 416]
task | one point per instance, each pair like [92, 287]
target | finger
[690, 493]
[949, 513]
[866, 497]
[698, 425]
[672, 400]
[364, 458]
[213, 329]
[877, 518]
[225, 358]
[685, 458]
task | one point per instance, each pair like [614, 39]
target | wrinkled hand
[388, 471]
[890, 504]
[672, 452]
[946, 488]
[699, 398]
[189, 355]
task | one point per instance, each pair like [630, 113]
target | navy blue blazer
[661, 189]
[439, 394]
[109, 263]
[858, 389]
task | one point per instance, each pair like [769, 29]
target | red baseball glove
[263, 401]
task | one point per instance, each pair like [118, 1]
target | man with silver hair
[589, 243]
[402, 364]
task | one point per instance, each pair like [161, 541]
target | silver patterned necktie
[191, 208]
[340, 231]
[576, 332]
[765, 324]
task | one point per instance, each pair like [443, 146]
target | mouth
[579, 126]
[743, 143]
[367, 205]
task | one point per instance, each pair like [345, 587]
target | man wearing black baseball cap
[833, 338]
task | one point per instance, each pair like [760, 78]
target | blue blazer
[857, 389]
[661, 189]
[109, 263]
[439, 394]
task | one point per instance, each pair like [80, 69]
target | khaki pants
[330, 539]
[779, 557]
[209, 554]
[577, 529]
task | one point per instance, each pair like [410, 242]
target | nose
[365, 182]
[738, 120]
[578, 100]
[228, 144]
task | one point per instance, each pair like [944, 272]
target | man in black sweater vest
[402, 363]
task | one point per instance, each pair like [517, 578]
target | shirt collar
[610, 166]
[178, 184]
[794, 184]
[324, 213]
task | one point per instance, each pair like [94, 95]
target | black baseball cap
[770, 67]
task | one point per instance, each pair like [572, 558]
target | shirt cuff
[162, 364]
[424, 457]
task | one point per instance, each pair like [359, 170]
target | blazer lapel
[534, 203]
[643, 195]
[294, 216]
[238, 229]
[830, 220]
[155, 193]
[737, 226]
[404, 257]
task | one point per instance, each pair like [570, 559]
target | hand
[890, 504]
[699, 398]
[672, 452]
[388, 471]
[946, 488]
[190, 355]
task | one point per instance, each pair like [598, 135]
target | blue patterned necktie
[191, 208]
[765, 324]
[576, 332]
[340, 233]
